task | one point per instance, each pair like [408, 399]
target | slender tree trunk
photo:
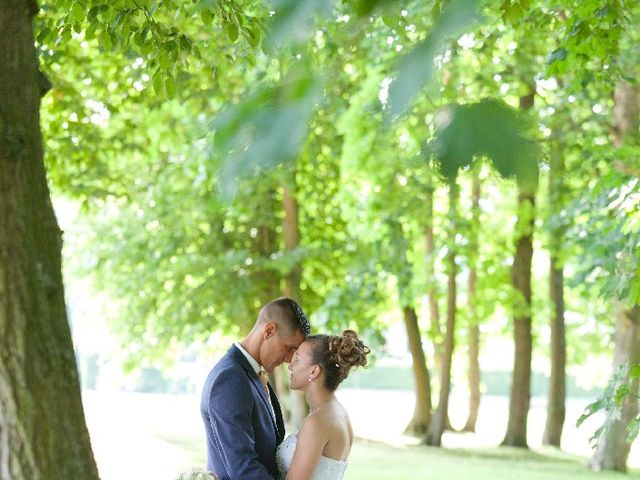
[298, 405]
[613, 451]
[265, 244]
[422, 382]
[43, 434]
[422, 411]
[291, 242]
[557, 382]
[434, 313]
[439, 420]
[474, 328]
[516, 435]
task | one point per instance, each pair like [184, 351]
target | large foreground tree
[613, 450]
[43, 434]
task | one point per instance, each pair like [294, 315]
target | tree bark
[291, 242]
[297, 404]
[474, 328]
[422, 381]
[434, 313]
[439, 420]
[422, 411]
[516, 435]
[613, 450]
[43, 434]
[557, 381]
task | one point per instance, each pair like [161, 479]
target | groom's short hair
[288, 311]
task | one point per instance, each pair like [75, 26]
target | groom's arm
[230, 404]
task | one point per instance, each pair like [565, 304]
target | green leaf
[170, 86]
[488, 128]
[416, 69]
[252, 35]
[366, 8]
[206, 16]
[232, 31]
[43, 36]
[164, 59]
[105, 40]
[90, 32]
[77, 11]
[621, 392]
[157, 83]
[590, 409]
[557, 55]
[633, 429]
[266, 129]
[391, 18]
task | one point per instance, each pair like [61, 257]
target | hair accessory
[337, 365]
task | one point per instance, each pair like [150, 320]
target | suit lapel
[278, 412]
[277, 422]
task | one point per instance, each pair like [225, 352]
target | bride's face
[301, 366]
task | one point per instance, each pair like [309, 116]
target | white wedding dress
[327, 469]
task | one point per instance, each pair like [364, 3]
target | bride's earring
[309, 379]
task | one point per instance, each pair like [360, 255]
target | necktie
[264, 380]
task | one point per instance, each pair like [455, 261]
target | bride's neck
[317, 397]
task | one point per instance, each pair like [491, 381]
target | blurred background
[456, 180]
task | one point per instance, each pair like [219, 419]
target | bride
[319, 451]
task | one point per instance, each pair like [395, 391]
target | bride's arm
[312, 439]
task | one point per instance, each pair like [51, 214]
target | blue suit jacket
[242, 434]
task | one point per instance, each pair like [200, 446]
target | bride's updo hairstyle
[336, 354]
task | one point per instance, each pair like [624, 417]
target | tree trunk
[265, 244]
[422, 412]
[557, 382]
[422, 381]
[516, 435]
[434, 313]
[474, 328]
[43, 434]
[613, 449]
[291, 242]
[439, 420]
[298, 406]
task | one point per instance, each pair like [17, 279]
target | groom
[243, 423]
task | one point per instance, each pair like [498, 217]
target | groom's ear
[269, 330]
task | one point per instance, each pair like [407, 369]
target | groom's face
[279, 348]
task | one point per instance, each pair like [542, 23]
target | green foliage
[266, 129]
[488, 128]
[293, 21]
[160, 108]
[155, 31]
[611, 402]
[416, 69]
[592, 32]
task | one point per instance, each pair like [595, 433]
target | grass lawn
[158, 436]
[377, 461]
